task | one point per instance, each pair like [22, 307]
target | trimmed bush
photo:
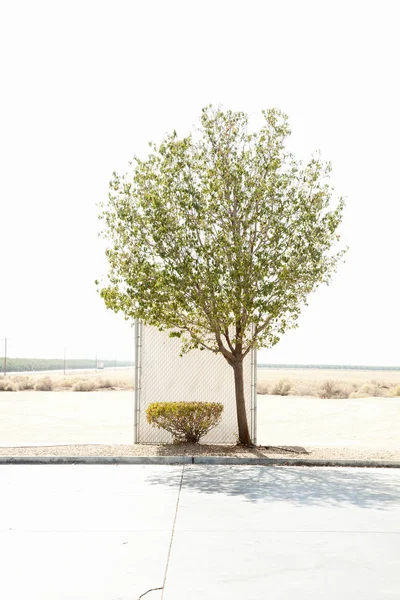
[186, 421]
[44, 385]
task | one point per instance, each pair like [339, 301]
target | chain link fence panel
[162, 375]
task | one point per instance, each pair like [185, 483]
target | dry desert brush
[7, 386]
[282, 388]
[185, 421]
[84, 385]
[44, 385]
[219, 236]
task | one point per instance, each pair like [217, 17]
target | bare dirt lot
[102, 423]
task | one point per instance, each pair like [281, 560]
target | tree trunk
[244, 434]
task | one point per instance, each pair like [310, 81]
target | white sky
[85, 85]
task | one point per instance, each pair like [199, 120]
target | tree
[219, 237]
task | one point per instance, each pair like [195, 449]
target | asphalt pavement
[115, 532]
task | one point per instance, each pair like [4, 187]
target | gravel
[120, 450]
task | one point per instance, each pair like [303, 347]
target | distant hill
[346, 367]
[15, 365]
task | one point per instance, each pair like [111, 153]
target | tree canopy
[220, 227]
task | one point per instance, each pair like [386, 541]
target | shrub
[124, 384]
[105, 384]
[186, 421]
[282, 388]
[84, 386]
[44, 385]
[385, 385]
[335, 389]
[262, 387]
[7, 386]
[306, 388]
[368, 389]
[67, 383]
[394, 392]
[24, 383]
[328, 390]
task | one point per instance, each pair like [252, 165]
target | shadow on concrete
[365, 488]
[229, 450]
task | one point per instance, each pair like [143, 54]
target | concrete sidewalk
[113, 532]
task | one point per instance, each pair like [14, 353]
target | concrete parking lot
[115, 532]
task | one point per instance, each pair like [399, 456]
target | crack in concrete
[150, 590]
[172, 534]
[170, 544]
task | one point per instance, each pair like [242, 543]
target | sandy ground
[102, 423]
[360, 422]
[33, 418]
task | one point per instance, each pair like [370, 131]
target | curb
[96, 460]
[195, 460]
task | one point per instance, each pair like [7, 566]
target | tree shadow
[228, 450]
[300, 486]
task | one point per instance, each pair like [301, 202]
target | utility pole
[5, 357]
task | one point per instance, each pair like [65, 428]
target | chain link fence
[201, 376]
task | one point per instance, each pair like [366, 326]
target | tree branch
[230, 357]
[226, 336]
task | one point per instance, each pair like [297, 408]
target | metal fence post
[5, 357]
[253, 392]
[136, 404]
[135, 398]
